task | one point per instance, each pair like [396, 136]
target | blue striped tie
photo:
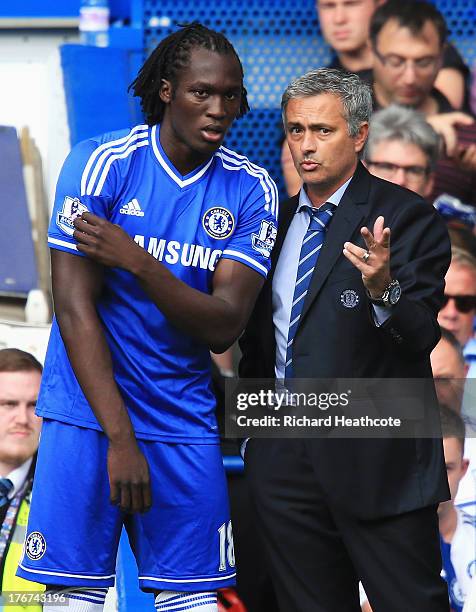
[6, 485]
[310, 249]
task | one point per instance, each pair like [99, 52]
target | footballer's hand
[374, 261]
[129, 478]
[105, 242]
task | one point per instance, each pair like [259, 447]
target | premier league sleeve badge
[72, 208]
[264, 240]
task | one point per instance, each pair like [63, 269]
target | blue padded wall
[95, 84]
[277, 40]
[460, 16]
[18, 273]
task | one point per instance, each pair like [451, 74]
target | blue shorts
[183, 543]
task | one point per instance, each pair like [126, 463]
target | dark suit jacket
[370, 477]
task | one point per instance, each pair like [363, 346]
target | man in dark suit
[332, 511]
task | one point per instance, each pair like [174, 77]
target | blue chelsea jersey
[224, 209]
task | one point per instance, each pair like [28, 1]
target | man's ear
[165, 91]
[441, 58]
[359, 140]
[429, 186]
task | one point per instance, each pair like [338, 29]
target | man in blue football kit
[161, 239]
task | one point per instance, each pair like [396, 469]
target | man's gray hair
[355, 95]
[406, 125]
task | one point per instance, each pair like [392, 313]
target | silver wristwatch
[390, 295]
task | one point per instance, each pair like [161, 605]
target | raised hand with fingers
[373, 262]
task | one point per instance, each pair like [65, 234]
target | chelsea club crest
[349, 298]
[218, 222]
[35, 545]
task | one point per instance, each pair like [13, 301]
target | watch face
[394, 294]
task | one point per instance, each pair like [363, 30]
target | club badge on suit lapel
[349, 298]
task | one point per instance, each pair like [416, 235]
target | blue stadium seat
[95, 84]
[18, 273]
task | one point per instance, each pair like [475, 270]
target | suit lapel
[349, 215]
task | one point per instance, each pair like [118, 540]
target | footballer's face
[200, 107]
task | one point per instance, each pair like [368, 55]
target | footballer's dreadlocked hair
[170, 57]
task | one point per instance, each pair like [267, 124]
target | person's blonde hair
[463, 258]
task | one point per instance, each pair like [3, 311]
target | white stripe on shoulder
[269, 192]
[140, 131]
[238, 158]
[111, 158]
[62, 243]
[246, 258]
[101, 162]
[269, 186]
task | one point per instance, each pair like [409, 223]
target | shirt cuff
[381, 314]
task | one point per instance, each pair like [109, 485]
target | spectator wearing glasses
[459, 307]
[408, 38]
[402, 148]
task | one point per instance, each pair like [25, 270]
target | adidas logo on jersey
[132, 208]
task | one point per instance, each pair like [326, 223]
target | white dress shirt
[18, 477]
